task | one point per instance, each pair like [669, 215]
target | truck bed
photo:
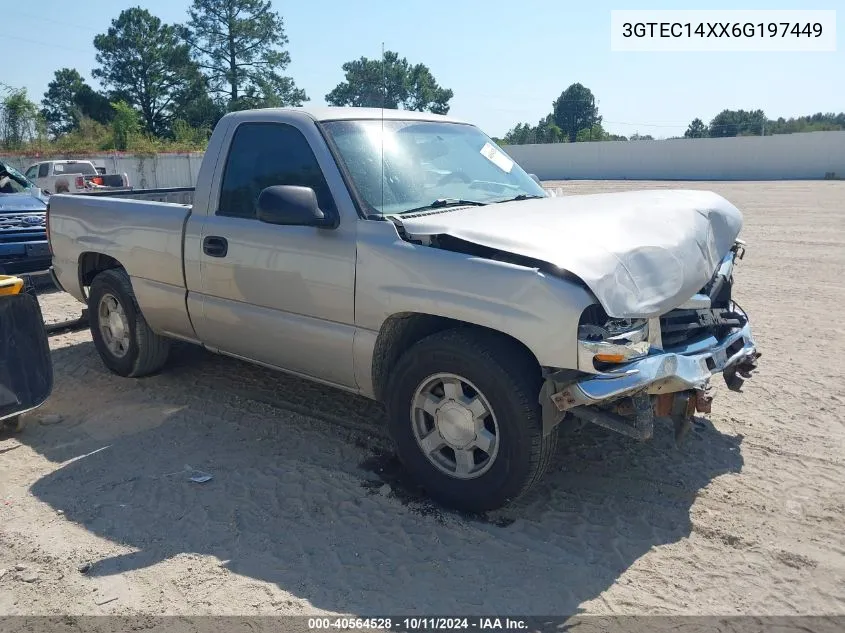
[174, 195]
[144, 235]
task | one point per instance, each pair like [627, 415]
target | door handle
[215, 246]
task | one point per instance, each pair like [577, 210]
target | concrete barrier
[812, 155]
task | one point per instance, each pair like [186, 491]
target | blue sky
[505, 60]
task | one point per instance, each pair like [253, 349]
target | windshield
[12, 181]
[86, 169]
[426, 162]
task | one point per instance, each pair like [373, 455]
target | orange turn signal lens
[609, 358]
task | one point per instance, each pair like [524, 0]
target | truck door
[280, 295]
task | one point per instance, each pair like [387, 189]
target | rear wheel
[463, 412]
[121, 335]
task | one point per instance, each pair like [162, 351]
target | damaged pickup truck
[405, 257]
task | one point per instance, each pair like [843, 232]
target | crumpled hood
[641, 253]
[20, 202]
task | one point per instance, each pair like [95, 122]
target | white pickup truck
[405, 257]
[74, 176]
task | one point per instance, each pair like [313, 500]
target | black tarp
[26, 368]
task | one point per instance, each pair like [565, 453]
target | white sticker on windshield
[496, 157]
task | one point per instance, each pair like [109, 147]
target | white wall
[784, 156]
[145, 172]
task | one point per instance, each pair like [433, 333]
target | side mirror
[535, 179]
[292, 206]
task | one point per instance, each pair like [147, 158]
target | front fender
[539, 310]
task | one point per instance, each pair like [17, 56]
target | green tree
[424, 93]
[68, 99]
[59, 107]
[636, 136]
[372, 83]
[390, 82]
[89, 137]
[94, 105]
[194, 106]
[19, 121]
[145, 63]
[125, 125]
[547, 131]
[520, 134]
[187, 135]
[697, 129]
[240, 44]
[818, 122]
[594, 133]
[575, 110]
[738, 123]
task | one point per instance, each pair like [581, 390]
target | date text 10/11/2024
[418, 624]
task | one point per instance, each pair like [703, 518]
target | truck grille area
[682, 327]
[22, 227]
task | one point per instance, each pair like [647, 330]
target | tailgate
[101, 182]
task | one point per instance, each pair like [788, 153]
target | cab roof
[347, 114]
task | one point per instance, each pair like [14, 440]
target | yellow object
[10, 285]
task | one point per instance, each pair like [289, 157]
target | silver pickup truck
[405, 257]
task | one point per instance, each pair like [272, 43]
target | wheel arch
[402, 330]
[91, 264]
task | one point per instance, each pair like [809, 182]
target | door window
[263, 155]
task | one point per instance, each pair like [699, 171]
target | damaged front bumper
[646, 382]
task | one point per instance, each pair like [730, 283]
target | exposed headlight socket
[607, 341]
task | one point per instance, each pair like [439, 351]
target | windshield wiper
[522, 196]
[442, 203]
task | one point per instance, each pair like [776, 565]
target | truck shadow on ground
[290, 505]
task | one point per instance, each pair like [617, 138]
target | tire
[142, 352]
[13, 424]
[506, 379]
[29, 286]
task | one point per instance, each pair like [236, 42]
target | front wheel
[125, 342]
[463, 413]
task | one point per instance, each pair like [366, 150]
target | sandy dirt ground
[307, 512]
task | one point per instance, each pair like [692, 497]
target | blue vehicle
[23, 234]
